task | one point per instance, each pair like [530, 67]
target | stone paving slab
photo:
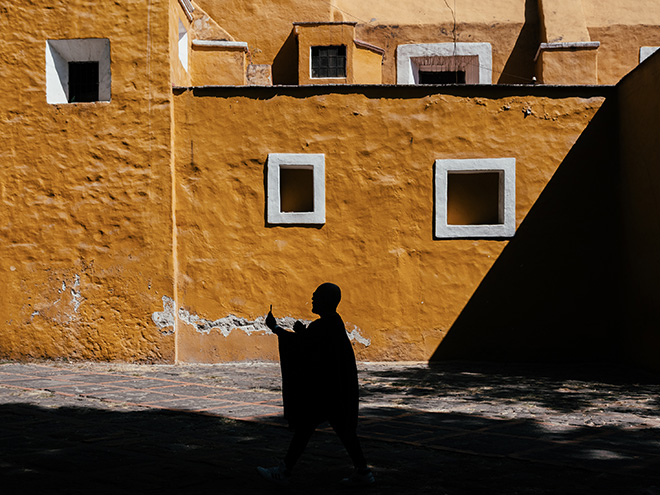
[451, 429]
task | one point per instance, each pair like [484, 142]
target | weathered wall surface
[639, 110]
[264, 24]
[85, 190]
[618, 53]
[402, 289]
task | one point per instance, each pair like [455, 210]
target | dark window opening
[329, 61]
[83, 81]
[445, 77]
[473, 198]
[296, 189]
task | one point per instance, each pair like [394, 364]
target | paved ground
[449, 429]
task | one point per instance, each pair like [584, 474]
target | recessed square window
[78, 70]
[328, 61]
[441, 77]
[295, 188]
[83, 81]
[475, 198]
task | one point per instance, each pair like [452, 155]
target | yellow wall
[639, 110]
[513, 28]
[180, 75]
[218, 66]
[568, 66]
[367, 66]
[402, 289]
[562, 21]
[86, 247]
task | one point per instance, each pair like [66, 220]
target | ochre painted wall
[85, 192]
[213, 66]
[568, 67]
[512, 27]
[180, 76]
[639, 113]
[367, 66]
[402, 289]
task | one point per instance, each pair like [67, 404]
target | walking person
[319, 383]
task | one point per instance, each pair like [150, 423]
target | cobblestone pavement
[447, 429]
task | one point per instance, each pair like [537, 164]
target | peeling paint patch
[76, 298]
[357, 337]
[64, 309]
[165, 320]
[224, 325]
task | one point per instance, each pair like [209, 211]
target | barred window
[329, 61]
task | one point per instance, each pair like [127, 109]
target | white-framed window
[78, 70]
[295, 188]
[475, 198]
[646, 51]
[183, 45]
[444, 63]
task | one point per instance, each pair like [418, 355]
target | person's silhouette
[319, 383]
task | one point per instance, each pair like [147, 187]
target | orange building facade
[478, 180]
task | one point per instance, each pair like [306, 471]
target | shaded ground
[453, 429]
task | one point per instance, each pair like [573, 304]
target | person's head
[326, 299]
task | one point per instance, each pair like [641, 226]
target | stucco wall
[85, 190]
[402, 289]
[639, 110]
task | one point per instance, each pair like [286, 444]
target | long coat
[319, 375]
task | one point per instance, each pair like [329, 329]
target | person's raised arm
[271, 323]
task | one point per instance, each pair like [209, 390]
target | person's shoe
[359, 478]
[278, 475]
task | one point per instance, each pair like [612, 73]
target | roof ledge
[231, 45]
[574, 45]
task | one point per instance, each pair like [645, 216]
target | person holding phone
[319, 383]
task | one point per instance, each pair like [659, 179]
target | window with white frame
[183, 45]
[295, 188]
[475, 198]
[444, 63]
[78, 70]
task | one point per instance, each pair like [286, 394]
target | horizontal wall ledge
[402, 91]
[574, 45]
[237, 45]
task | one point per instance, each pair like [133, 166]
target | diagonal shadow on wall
[519, 67]
[552, 295]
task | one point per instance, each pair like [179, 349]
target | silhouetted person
[319, 383]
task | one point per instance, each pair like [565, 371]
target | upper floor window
[78, 70]
[444, 63]
[329, 61]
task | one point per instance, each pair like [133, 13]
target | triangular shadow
[552, 293]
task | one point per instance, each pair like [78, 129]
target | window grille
[328, 61]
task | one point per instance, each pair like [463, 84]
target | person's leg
[298, 443]
[351, 442]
